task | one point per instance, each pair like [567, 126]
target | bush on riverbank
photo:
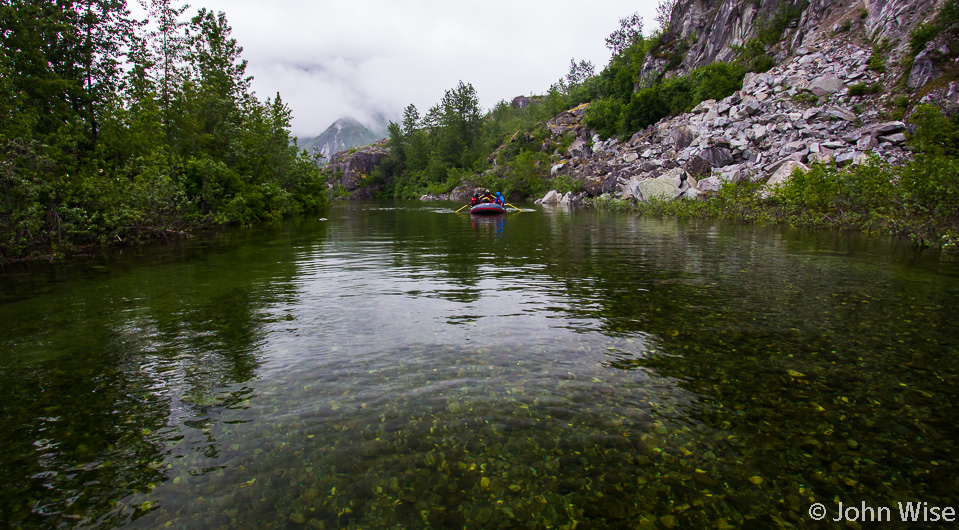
[113, 132]
[919, 200]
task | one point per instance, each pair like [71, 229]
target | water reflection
[401, 365]
[114, 368]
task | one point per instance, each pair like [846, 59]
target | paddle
[511, 206]
[461, 209]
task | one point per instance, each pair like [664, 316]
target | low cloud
[369, 57]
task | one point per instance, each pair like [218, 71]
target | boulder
[785, 171]
[825, 85]
[579, 149]
[563, 122]
[658, 188]
[717, 156]
[682, 138]
[890, 127]
[710, 185]
[697, 166]
[841, 114]
[924, 69]
[750, 107]
[553, 197]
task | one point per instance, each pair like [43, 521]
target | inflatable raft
[487, 208]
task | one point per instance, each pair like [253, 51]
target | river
[399, 365]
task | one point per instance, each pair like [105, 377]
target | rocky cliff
[713, 29]
[799, 112]
[353, 169]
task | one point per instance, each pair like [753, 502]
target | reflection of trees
[109, 372]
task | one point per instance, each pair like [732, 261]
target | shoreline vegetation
[116, 131]
[918, 200]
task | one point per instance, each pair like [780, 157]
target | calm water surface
[402, 366]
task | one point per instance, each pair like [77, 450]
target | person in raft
[487, 197]
[499, 199]
[474, 200]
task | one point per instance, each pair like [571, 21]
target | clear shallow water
[401, 366]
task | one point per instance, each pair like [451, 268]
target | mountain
[345, 133]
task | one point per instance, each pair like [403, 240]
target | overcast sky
[356, 57]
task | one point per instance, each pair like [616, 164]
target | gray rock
[750, 107]
[704, 106]
[841, 114]
[630, 157]
[553, 197]
[697, 166]
[658, 188]
[783, 174]
[826, 84]
[710, 185]
[866, 143]
[897, 138]
[521, 102]
[717, 156]
[924, 68]
[811, 114]
[579, 149]
[556, 169]
[846, 158]
[890, 127]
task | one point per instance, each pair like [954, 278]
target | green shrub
[921, 35]
[807, 98]
[565, 184]
[862, 89]
[717, 80]
[611, 116]
[771, 32]
[877, 61]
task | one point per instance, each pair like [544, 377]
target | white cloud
[330, 59]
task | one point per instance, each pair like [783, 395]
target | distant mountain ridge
[344, 133]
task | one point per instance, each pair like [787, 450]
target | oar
[461, 209]
[511, 206]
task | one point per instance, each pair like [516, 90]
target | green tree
[169, 42]
[630, 33]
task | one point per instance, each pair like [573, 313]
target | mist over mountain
[345, 133]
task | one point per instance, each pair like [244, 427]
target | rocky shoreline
[797, 113]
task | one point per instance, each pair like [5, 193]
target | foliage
[616, 115]
[629, 34]
[114, 131]
[919, 200]
[771, 32]
[664, 12]
[754, 54]
[862, 89]
[877, 61]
